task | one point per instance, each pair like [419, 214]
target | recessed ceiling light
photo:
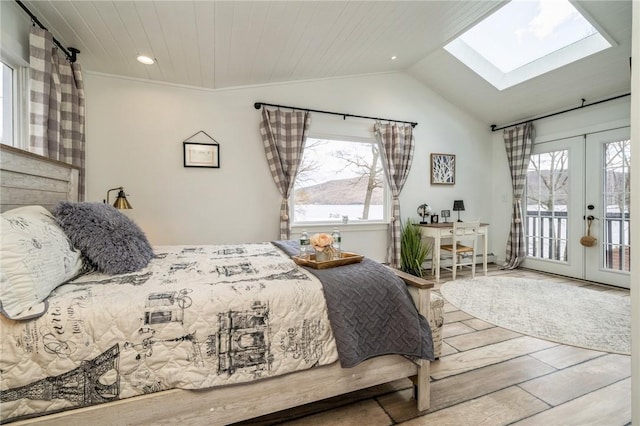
[394, 57]
[145, 60]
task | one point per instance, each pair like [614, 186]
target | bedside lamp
[458, 206]
[121, 200]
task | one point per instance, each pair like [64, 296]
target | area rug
[552, 311]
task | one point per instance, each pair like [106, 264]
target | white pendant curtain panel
[397, 144]
[57, 115]
[284, 134]
[518, 142]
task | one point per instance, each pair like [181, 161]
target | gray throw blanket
[371, 311]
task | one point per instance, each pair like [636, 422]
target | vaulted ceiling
[221, 44]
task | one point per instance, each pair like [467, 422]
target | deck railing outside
[546, 234]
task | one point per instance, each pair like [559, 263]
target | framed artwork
[443, 169]
[201, 155]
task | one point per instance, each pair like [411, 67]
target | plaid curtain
[284, 134]
[57, 113]
[518, 142]
[397, 144]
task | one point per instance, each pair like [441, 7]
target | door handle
[590, 217]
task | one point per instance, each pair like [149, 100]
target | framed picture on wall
[443, 169]
[201, 155]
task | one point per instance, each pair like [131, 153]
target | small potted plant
[412, 252]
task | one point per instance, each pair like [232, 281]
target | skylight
[527, 38]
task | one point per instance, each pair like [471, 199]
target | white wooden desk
[439, 231]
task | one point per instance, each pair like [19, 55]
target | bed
[199, 391]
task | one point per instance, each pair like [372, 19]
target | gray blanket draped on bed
[371, 311]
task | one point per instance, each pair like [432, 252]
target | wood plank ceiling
[222, 44]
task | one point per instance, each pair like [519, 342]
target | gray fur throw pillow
[111, 241]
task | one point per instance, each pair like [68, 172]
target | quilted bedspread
[195, 317]
[371, 311]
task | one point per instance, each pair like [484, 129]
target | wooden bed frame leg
[420, 290]
[421, 386]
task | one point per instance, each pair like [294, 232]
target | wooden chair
[464, 237]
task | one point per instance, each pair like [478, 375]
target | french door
[575, 187]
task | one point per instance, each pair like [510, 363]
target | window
[340, 181]
[13, 106]
[525, 39]
[7, 105]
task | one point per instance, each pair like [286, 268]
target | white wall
[14, 32]
[135, 131]
[608, 115]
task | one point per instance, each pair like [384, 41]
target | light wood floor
[488, 375]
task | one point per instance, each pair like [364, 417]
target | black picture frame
[201, 155]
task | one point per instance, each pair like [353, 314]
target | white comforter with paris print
[195, 317]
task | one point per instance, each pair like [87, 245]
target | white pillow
[36, 256]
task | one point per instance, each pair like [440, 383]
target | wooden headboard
[27, 179]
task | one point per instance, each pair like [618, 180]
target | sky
[330, 166]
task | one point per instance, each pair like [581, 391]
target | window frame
[19, 101]
[369, 223]
[571, 53]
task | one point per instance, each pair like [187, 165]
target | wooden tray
[346, 258]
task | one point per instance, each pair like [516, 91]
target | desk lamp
[121, 200]
[458, 206]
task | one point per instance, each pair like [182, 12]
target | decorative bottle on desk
[305, 246]
[337, 253]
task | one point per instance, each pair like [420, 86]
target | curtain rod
[494, 128]
[71, 53]
[257, 105]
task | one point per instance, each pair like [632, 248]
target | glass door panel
[552, 199]
[546, 215]
[608, 193]
[616, 196]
